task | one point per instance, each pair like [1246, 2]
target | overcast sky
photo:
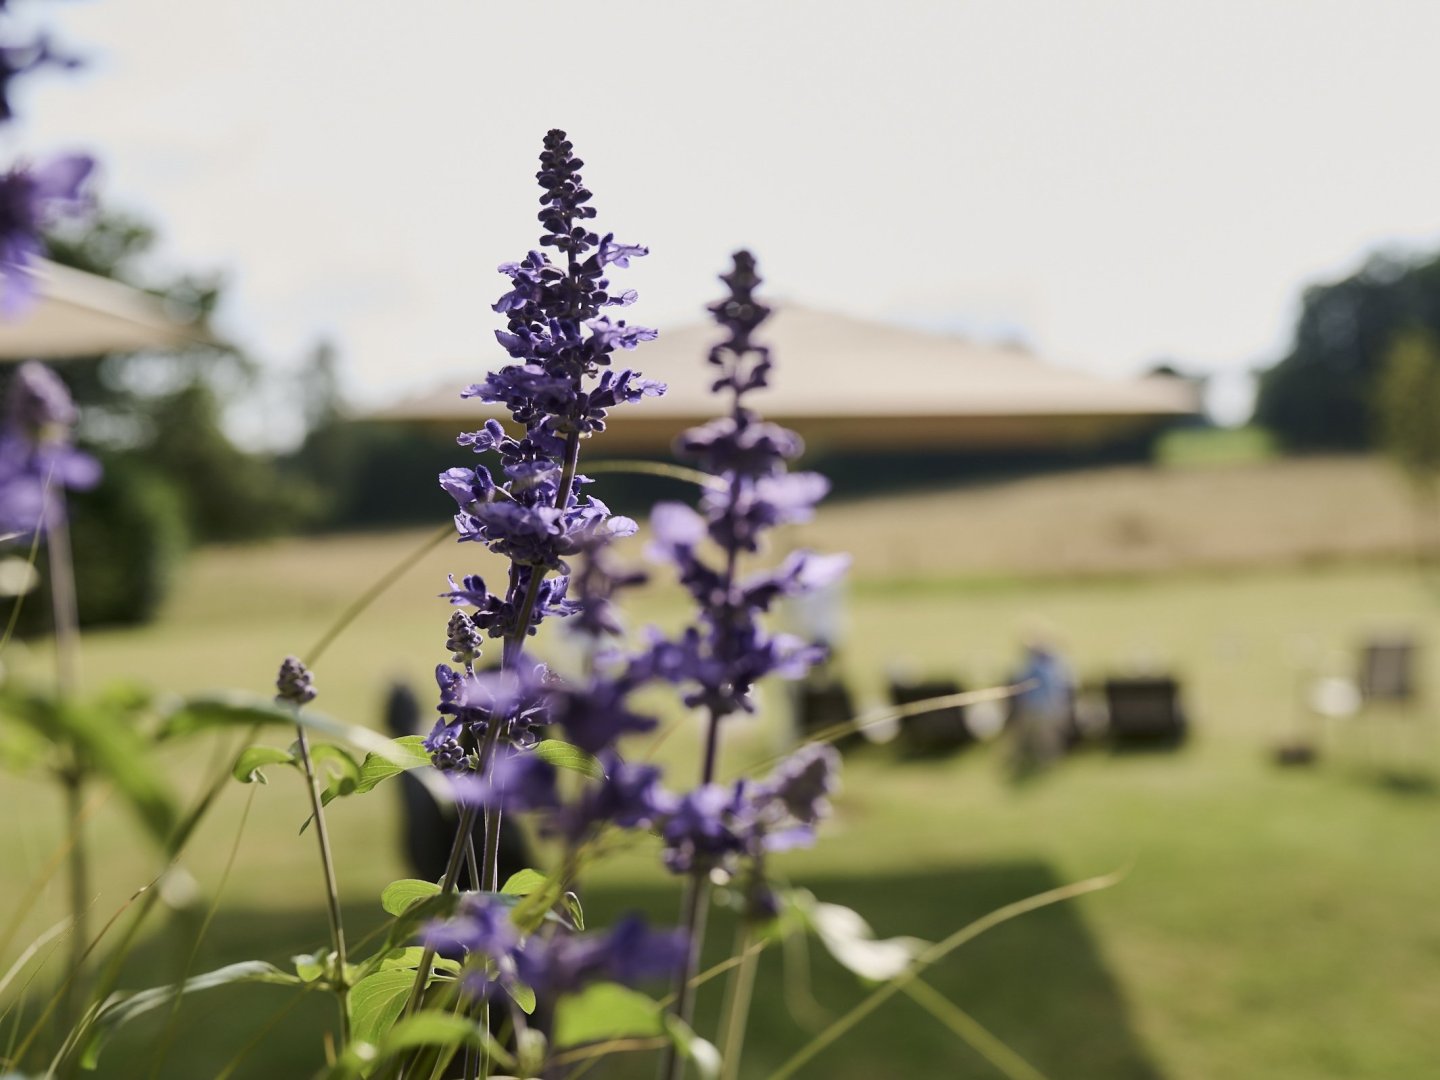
[1112, 182]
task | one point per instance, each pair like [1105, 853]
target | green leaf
[337, 762]
[565, 756]
[311, 966]
[122, 1008]
[21, 748]
[109, 745]
[376, 1002]
[234, 709]
[522, 996]
[431, 1028]
[401, 755]
[204, 711]
[252, 758]
[531, 1047]
[441, 1029]
[524, 882]
[693, 1047]
[577, 913]
[849, 939]
[606, 1011]
[102, 736]
[409, 958]
[397, 897]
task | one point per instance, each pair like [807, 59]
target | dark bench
[936, 731]
[1145, 710]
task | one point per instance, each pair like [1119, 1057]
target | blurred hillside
[1130, 520]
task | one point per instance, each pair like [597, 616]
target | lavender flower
[800, 786]
[37, 462]
[32, 197]
[514, 699]
[631, 953]
[294, 684]
[40, 402]
[729, 651]
[532, 509]
[516, 781]
[554, 963]
[594, 714]
[714, 826]
[629, 797]
[462, 638]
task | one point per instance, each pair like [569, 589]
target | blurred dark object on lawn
[937, 731]
[1387, 669]
[1146, 711]
[822, 702]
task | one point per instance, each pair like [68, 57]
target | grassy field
[1276, 923]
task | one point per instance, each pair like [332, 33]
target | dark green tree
[1321, 395]
[1407, 407]
[165, 410]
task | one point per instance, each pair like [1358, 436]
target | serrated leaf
[122, 1008]
[563, 755]
[398, 896]
[605, 1011]
[253, 758]
[524, 882]
[377, 1001]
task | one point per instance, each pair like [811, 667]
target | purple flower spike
[31, 198]
[294, 684]
[37, 462]
[720, 660]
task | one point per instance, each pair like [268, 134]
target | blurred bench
[1145, 710]
[937, 731]
[823, 701]
[1387, 670]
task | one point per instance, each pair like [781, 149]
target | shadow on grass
[1037, 983]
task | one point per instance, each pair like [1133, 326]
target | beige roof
[80, 314]
[835, 375]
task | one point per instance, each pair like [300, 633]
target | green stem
[461, 844]
[694, 911]
[332, 890]
[737, 1008]
[79, 894]
[67, 675]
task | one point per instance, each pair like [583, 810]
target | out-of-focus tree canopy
[1323, 394]
[164, 411]
[1408, 406]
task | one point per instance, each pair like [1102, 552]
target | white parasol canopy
[80, 314]
[844, 382]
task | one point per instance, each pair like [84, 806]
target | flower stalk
[296, 689]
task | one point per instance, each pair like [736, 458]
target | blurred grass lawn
[1272, 923]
